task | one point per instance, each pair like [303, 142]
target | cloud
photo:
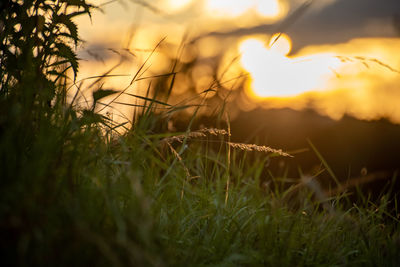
[343, 20]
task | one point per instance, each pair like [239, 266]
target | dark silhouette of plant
[37, 41]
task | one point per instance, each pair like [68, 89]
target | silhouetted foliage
[37, 41]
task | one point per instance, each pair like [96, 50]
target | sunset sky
[336, 56]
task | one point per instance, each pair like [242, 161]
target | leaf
[89, 117]
[101, 93]
[66, 52]
[70, 25]
[80, 3]
[58, 63]
[61, 74]
[148, 99]
[54, 72]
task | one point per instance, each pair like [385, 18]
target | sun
[275, 74]
[267, 65]
[280, 43]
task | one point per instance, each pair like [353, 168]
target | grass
[71, 195]
[74, 192]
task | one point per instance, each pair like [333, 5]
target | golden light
[366, 84]
[209, 47]
[357, 77]
[280, 43]
[233, 8]
[360, 78]
[274, 74]
[269, 8]
[228, 7]
[175, 5]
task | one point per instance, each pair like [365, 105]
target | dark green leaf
[101, 93]
[70, 25]
[89, 117]
[66, 52]
[148, 99]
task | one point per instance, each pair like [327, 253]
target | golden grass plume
[196, 134]
[253, 147]
[221, 132]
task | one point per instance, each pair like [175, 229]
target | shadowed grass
[75, 192]
[71, 196]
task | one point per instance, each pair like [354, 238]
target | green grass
[72, 196]
[73, 192]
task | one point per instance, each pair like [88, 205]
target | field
[75, 191]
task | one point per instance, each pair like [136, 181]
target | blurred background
[283, 73]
